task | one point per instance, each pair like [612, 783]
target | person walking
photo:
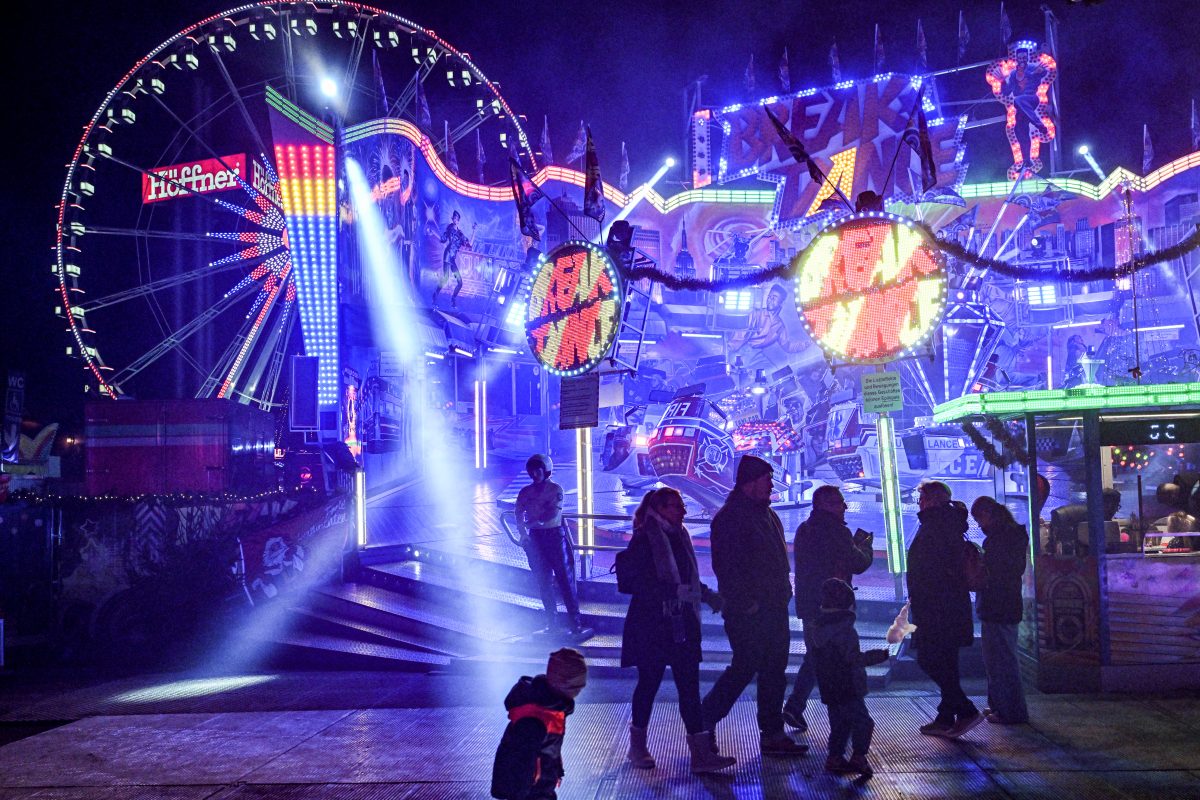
[999, 606]
[941, 605]
[823, 548]
[539, 519]
[749, 557]
[662, 627]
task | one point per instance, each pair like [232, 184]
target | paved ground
[388, 735]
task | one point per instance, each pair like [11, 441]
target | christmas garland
[175, 500]
[1014, 450]
[949, 247]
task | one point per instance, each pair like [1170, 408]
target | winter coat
[1004, 563]
[841, 667]
[528, 763]
[937, 584]
[823, 549]
[647, 637]
[749, 556]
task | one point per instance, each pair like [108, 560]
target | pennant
[448, 151]
[922, 50]
[593, 188]
[917, 137]
[748, 77]
[547, 154]
[1147, 150]
[424, 120]
[1005, 30]
[1195, 128]
[480, 156]
[580, 147]
[944, 195]
[381, 98]
[523, 196]
[878, 51]
[796, 148]
[785, 75]
[623, 180]
[835, 65]
[964, 37]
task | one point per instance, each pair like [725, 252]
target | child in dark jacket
[842, 678]
[528, 763]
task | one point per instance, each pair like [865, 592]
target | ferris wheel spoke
[157, 286]
[178, 337]
[269, 360]
[195, 134]
[165, 179]
[278, 352]
[240, 101]
[148, 234]
[289, 60]
[424, 70]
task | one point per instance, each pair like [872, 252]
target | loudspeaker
[302, 408]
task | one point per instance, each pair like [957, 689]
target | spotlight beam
[639, 194]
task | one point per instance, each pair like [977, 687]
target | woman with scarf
[662, 627]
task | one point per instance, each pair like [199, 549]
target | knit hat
[836, 594]
[750, 468]
[540, 460]
[566, 672]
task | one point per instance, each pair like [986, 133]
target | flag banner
[748, 78]
[424, 120]
[580, 147]
[524, 196]
[448, 152]
[878, 51]
[916, 136]
[381, 99]
[964, 37]
[1147, 150]
[547, 154]
[785, 75]
[922, 50]
[795, 148]
[1005, 30]
[480, 156]
[593, 188]
[1195, 128]
[835, 64]
[623, 180]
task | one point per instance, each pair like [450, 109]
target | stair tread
[418, 610]
[318, 641]
[395, 637]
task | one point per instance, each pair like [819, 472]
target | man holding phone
[823, 548]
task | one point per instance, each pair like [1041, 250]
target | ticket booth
[1110, 487]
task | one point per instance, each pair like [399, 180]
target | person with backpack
[528, 764]
[841, 671]
[941, 605]
[999, 606]
[823, 548]
[662, 627]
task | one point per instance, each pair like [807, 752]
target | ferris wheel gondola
[174, 257]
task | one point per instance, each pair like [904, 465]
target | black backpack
[628, 567]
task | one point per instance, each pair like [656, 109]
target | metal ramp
[635, 315]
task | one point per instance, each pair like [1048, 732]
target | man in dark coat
[823, 548]
[749, 557]
[999, 607]
[941, 605]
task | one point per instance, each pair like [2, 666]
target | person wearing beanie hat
[841, 670]
[528, 763]
[749, 557]
[543, 536]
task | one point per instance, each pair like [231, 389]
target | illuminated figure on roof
[1021, 81]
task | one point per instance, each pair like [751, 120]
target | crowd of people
[755, 585]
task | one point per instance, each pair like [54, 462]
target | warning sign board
[579, 401]
[881, 392]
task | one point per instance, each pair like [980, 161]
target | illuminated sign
[574, 308]
[194, 177]
[870, 288]
[1021, 82]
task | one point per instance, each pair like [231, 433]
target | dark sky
[619, 64]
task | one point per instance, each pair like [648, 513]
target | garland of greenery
[176, 500]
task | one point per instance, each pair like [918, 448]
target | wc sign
[14, 410]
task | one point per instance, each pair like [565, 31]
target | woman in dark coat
[662, 627]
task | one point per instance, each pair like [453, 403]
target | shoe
[964, 724]
[578, 633]
[638, 754]
[997, 719]
[986, 710]
[795, 720]
[838, 765]
[703, 757]
[939, 727]
[781, 745]
[858, 763]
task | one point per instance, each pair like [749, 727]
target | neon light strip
[1090, 190]
[889, 485]
[360, 506]
[1091, 398]
[307, 188]
[252, 336]
[299, 116]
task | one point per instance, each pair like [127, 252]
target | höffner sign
[193, 177]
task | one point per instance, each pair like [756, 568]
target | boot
[703, 757]
[638, 755]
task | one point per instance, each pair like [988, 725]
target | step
[338, 651]
[343, 625]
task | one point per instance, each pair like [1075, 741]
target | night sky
[619, 64]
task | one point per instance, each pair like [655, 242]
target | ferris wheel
[174, 259]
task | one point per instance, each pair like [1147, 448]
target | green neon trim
[299, 116]
[1091, 398]
[889, 485]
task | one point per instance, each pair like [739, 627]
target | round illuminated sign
[870, 287]
[574, 308]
